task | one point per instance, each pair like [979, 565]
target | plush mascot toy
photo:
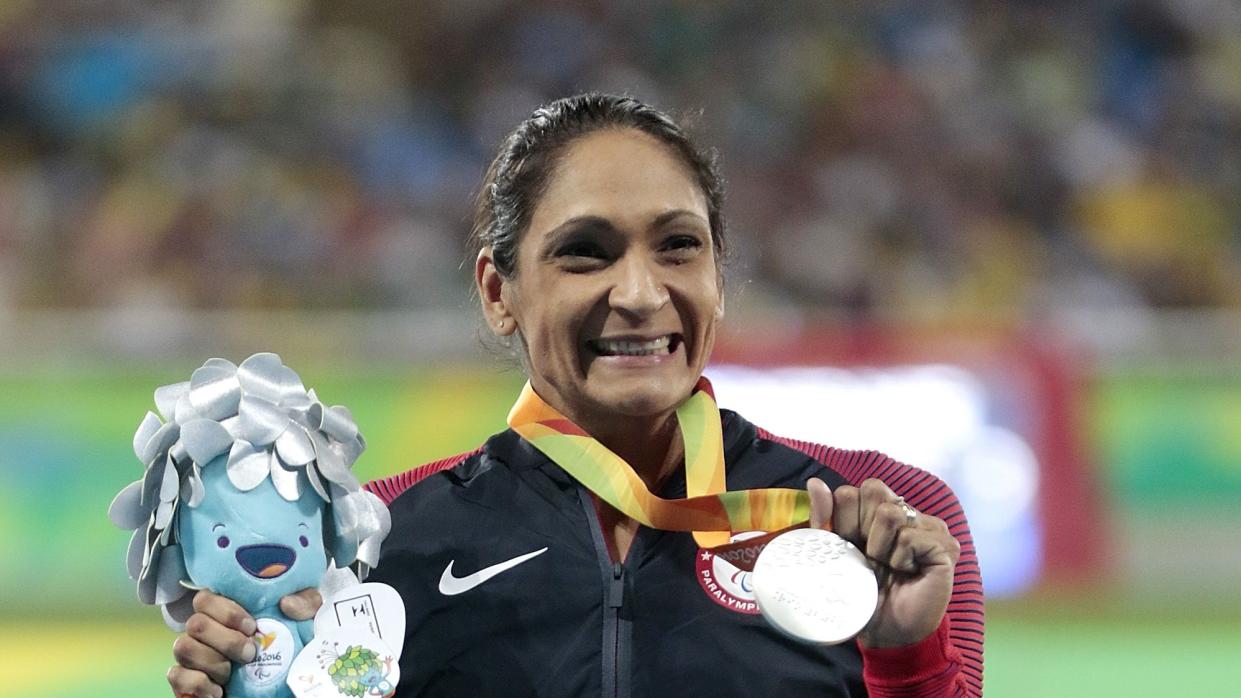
[247, 492]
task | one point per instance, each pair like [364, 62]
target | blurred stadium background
[1011, 229]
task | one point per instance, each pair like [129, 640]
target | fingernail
[248, 626]
[249, 653]
[295, 604]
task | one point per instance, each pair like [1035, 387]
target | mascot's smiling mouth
[266, 561]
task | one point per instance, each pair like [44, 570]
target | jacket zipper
[613, 573]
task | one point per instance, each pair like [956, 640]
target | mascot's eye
[305, 543]
[222, 541]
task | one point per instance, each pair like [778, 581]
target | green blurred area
[1169, 436]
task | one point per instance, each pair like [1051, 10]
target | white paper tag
[373, 607]
[274, 642]
[351, 662]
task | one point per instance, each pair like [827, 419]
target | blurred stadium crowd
[902, 159]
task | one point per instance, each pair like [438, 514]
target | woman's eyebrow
[669, 216]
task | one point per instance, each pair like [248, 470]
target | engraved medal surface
[815, 586]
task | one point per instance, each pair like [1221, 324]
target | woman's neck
[651, 446]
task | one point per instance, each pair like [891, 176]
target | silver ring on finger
[911, 514]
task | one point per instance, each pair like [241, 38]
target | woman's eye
[581, 249]
[683, 245]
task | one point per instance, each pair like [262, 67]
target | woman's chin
[642, 398]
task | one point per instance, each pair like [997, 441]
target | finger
[887, 521]
[194, 655]
[873, 493]
[224, 611]
[820, 503]
[303, 605]
[187, 682]
[222, 639]
[916, 549]
[846, 516]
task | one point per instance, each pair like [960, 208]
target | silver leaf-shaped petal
[180, 456]
[350, 450]
[126, 509]
[295, 447]
[159, 442]
[381, 512]
[294, 392]
[151, 482]
[205, 439]
[133, 556]
[336, 579]
[217, 362]
[331, 465]
[368, 550]
[215, 391]
[315, 479]
[146, 429]
[247, 466]
[232, 425]
[150, 546]
[345, 547]
[171, 483]
[197, 490]
[186, 489]
[334, 421]
[184, 411]
[163, 516]
[260, 376]
[167, 535]
[166, 397]
[169, 575]
[261, 421]
[284, 480]
[147, 578]
[346, 509]
[179, 611]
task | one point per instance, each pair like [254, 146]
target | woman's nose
[638, 289]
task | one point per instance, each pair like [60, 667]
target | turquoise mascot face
[253, 547]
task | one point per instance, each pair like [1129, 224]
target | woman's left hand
[916, 558]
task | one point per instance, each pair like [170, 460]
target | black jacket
[570, 621]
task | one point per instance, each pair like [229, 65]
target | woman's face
[616, 293]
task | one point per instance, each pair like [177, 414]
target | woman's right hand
[219, 633]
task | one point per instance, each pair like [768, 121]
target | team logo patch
[725, 574]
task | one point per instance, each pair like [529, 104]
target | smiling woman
[590, 548]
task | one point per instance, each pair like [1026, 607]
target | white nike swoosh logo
[451, 585]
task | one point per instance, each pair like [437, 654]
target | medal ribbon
[709, 511]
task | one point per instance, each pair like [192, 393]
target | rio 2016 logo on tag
[274, 643]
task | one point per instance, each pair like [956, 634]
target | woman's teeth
[615, 347]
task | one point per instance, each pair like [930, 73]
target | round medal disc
[815, 586]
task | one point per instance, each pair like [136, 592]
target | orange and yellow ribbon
[709, 511]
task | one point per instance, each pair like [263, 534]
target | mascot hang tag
[351, 662]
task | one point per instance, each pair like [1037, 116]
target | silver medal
[815, 586]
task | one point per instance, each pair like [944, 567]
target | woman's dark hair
[518, 176]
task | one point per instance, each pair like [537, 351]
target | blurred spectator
[898, 159]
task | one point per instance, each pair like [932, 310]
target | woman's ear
[491, 292]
